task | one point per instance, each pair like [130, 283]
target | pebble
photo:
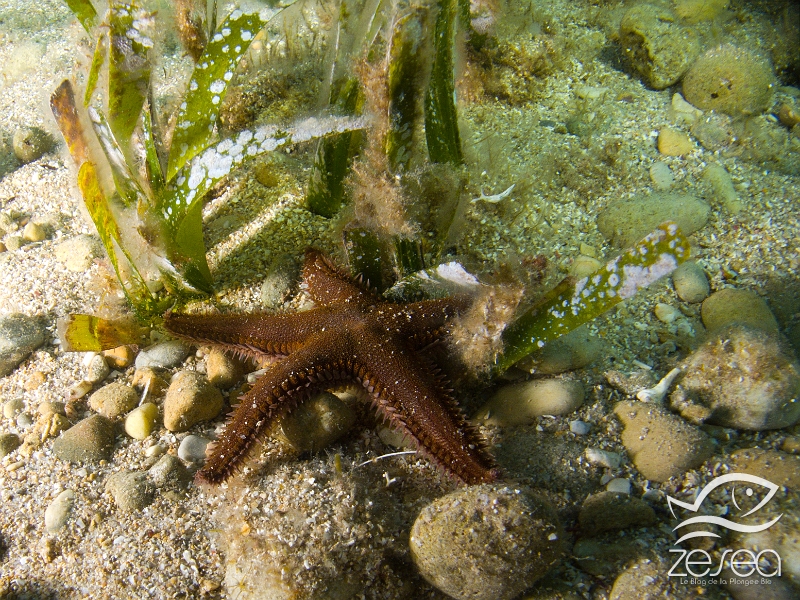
[193, 448]
[627, 220]
[223, 370]
[114, 400]
[30, 143]
[190, 399]
[522, 403]
[19, 336]
[611, 510]
[575, 350]
[147, 378]
[583, 266]
[97, 370]
[169, 473]
[33, 232]
[666, 313]
[119, 357]
[721, 184]
[579, 427]
[11, 408]
[731, 305]
[661, 444]
[280, 281]
[317, 423]
[672, 142]
[91, 439]
[8, 443]
[78, 253]
[24, 420]
[603, 458]
[661, 175]
[746, 377]
[618, 484]
[691, 283]
[141, 421]
[163, 355]
[486, 542]
[131, 490]
[57, 512]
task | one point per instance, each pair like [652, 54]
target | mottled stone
[114, 400]
[190, 399]
[747, 379]
[317, 422]
[222, 369]
[19, 336]
[691, 283]
[661, 444]
[169, 473]
[486, 542]
[131, 490]
[90, 440]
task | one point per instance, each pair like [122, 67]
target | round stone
[691, 283]
[169, 473]
[661, 444]
[89, 440]
[57, 512]
[19, 336]
[131, 490]
[79, 252]
[522, 403]
[30, 143]
[190, 399]
[746, 377]
[317, 422]
[8, 443]
[223, 370]
[731, 80]
[486, 542]
[163, 355]
[33, 232]
[732, 305]
[97, 370]
[141, 421]
[193, 448]
[114, 399]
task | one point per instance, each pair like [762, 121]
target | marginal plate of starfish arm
[352, 336]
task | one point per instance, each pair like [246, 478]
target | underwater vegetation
[387, 169]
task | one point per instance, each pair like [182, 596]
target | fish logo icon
[740, 478]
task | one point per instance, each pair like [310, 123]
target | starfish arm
[252, 334]
[419, 323]
[320, 365]
[417, 406]
[328, 285]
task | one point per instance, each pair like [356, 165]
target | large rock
[747, 378]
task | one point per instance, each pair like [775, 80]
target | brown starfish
[353, 336]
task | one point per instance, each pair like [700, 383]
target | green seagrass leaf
[97, 204]
[98, 60]
[152, 163]
[573, 303]
[85, 13]
[198, 114]
[441, 121]
[125, 181]
[128, 67]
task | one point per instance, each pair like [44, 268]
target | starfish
[352, 336]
